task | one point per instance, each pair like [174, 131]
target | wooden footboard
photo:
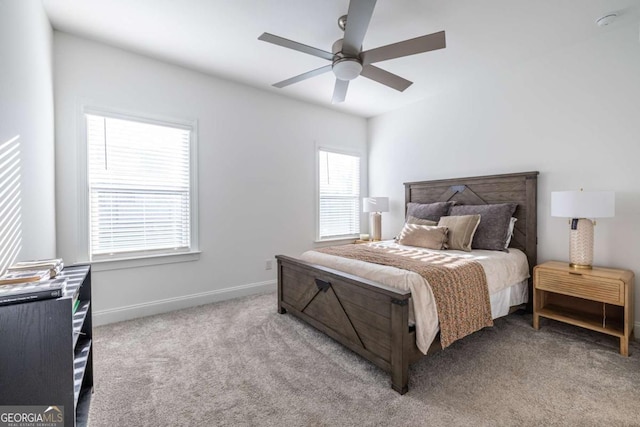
[369, 318]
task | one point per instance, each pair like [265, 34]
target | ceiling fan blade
[358, 18]
[386, 78]
[408, 47]
[340, 91]
[303, 76]
[281, 41]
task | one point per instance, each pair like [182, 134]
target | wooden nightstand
[600, 299]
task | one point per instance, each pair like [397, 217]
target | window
[141, 187]
[338, 195]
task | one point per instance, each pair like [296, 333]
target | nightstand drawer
[581, 286]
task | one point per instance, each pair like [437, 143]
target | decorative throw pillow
[424, 236]
[461, 230]
[494, 226]
[431, 211]
[419, 221]
[414, 220]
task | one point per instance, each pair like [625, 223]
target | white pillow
[512, 224]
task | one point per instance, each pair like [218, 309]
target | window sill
[123, 263]
[338, 239]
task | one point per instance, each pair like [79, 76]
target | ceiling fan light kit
[348, 60]
[347, 68]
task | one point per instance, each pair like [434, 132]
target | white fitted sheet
[507, 274]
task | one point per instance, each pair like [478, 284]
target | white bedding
[506, 278]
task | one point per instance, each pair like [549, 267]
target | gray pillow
[493, 230]
[430, 211]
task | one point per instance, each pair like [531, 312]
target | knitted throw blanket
[459, 285]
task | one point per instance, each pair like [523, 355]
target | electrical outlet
[268, 265]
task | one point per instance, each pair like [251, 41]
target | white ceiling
[220, 37]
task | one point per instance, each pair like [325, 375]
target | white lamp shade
[583, 204]
[375, 204]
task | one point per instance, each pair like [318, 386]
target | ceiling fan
[348, 61]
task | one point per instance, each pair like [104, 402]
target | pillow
[494, 227]
[431, 211]
[414, 220]
[419, 221]
[424, 236]
[512, 224]
[461, 230]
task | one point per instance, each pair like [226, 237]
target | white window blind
[139, 187]
[339, 195]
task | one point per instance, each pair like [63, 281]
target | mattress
[507, 274]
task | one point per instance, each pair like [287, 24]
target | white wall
[26, 110]
[573, 115]
[256, 173]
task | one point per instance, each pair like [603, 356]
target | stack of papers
[54, 266]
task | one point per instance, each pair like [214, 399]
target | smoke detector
[606, 19]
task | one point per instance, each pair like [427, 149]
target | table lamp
[582, 207]
[375, 205]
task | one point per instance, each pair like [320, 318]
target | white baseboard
[112, 315]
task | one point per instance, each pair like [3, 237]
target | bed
[373, 319]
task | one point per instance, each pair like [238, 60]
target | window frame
[122, 260]
[348, 152]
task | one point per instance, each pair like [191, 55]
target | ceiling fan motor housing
[336, 48]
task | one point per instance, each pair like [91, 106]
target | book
[13, 277]
[76, 304]
[55, 266]
[32, 291]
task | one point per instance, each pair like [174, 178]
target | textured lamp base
[375, 226]
[581, 244]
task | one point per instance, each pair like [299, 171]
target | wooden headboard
[520, 188]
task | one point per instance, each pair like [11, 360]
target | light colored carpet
[240, 363]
